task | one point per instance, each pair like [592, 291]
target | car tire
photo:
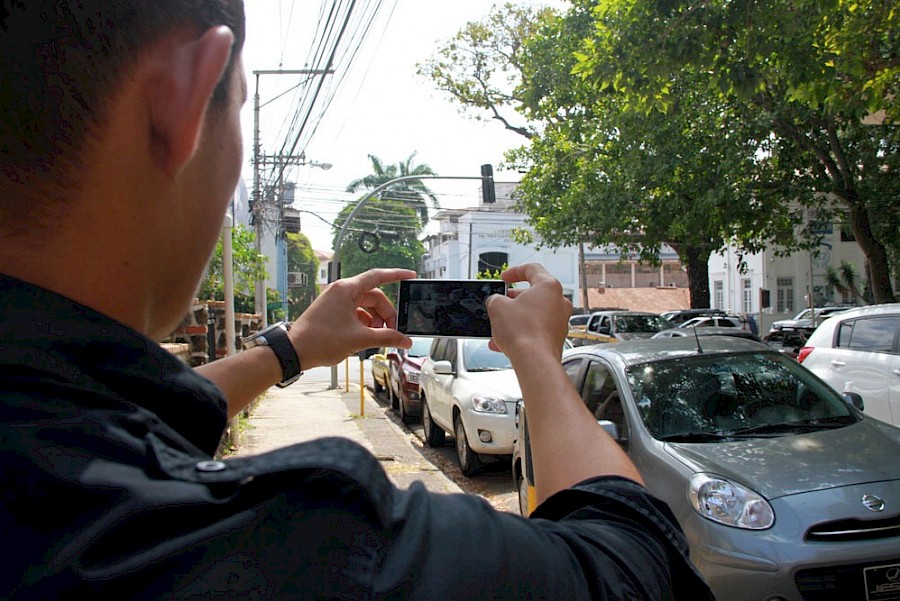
[469, 462]
[405, 417]
[522, 488]
[434, 436]
[378, 387]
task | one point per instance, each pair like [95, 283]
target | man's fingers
[379, 277]
[529, 272]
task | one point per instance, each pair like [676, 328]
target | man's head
[62, 63]
[120, 147]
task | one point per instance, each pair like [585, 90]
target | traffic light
[488, 196]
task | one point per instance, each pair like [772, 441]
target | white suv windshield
[478, 357]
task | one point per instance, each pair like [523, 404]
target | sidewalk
[309, 410]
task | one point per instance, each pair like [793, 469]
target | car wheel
[434, 436]
[522, 487]
[469, 461]
[404, 416]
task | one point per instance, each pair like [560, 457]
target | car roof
[635, 352]
[624, 312]
[882, 309]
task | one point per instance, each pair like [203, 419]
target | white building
[470, 241]
[786, 280]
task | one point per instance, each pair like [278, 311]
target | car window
[874, 334]
[628, 324]
[477, 356]
[420, 347]
[450, 352]
[573, 369]
[716, 394]
[438, 349]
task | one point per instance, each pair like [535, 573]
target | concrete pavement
[309, 410]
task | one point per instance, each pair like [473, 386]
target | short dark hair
[61, 62]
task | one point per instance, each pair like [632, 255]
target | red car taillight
[804, 353]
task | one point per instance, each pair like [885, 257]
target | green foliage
[301, 258]
[249, 266]
[412, 192]
[396, 225]
[818, 83]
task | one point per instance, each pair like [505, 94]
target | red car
[404, 367]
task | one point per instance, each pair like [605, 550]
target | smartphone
[446, 308]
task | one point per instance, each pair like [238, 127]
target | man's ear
[181, 93]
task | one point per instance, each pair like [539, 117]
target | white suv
[470, 392]
[859, 351]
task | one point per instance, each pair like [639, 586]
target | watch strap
[287, 356]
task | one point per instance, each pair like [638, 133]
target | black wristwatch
[276, 338]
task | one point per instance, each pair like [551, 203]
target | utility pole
[263, 208]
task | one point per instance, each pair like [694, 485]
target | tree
[412, 192]
[823, 78]
[301, 258]
[249, 266]
[391, 227]
[620, 177]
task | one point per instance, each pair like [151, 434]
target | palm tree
[412, 192]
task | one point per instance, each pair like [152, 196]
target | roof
[654, 300]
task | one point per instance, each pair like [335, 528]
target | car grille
[849, 530]
[844, 583]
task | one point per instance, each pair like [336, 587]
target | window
[747, 295]
[874, 334]
[573, 368]
[784, 302]
[718, 294]
[492, 261]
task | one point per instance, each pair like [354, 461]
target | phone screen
[446, 307]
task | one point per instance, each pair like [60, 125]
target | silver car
[785, 490]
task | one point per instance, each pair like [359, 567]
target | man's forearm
[243, 377]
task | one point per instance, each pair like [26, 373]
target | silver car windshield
[420, 347]
[478, 357]
[726, 396]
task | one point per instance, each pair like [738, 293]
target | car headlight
[488, 404]
[730, 503]
[412, 376]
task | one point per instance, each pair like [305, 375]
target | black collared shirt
[108, 487]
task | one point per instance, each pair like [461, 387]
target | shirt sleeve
[606, 538]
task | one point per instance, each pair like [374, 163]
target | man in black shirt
[120, 147]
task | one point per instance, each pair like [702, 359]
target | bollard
[362, 389]
[347, 375]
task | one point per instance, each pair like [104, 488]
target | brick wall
[195, 328]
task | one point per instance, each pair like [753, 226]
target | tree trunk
[696, 261]
[878, 271]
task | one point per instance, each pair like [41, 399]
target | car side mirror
[444, 368]
[609, 427]
[854, 399]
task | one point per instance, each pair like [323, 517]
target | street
[494, 482]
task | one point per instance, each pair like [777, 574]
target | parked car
[404, 369]
[787, 341]
[380, 373]
[470, 392]
[781, 486]
[709, 331]
[578, 322]
[616, 326]
[803, 320]
[717, 321]
[859, 351]
[679, 316]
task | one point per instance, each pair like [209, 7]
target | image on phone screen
[451, 308]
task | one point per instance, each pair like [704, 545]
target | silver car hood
[787, 465]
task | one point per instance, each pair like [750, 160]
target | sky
[382, 107]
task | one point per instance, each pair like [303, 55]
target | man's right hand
[529, 320]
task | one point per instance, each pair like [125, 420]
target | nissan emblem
[873, 503]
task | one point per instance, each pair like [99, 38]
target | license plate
[882, 582]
